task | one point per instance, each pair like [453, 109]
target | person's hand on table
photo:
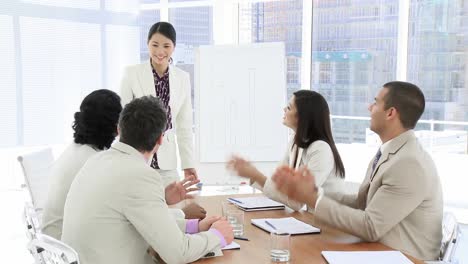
[194, 211]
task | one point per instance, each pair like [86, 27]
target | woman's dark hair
[96, 122]
[313, 124]
[165, 29]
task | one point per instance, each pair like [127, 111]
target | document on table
[288, 224]
[233, 245]
[365, 257]
[219, 252]
[256, 203]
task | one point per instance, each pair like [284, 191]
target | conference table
[304, 248]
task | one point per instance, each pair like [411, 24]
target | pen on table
[235, 200]
[241, 238]
[270, 224]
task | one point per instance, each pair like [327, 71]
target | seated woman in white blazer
[95, 127]
[308, 115]
[171, 85]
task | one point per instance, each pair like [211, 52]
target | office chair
[450, 232]
[30, 221]
[53, 251]
[36, 170]
[31, 224]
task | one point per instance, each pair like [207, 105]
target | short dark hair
[96, 122]
[314, 124]
[142, 122]
[408, 100]
[164, 28]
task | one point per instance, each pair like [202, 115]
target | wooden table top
[304, 248]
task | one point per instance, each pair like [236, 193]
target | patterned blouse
[161, 85]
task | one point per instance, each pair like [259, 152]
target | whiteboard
[240, 92]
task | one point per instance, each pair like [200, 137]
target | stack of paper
[365, 257]
[289, 225]
[257, 203]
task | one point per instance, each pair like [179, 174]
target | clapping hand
[178, 191]
[298, 185]
[245, 169]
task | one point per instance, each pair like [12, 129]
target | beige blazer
[318, 158]
[138, 81]
[400, 204]
[116, 208]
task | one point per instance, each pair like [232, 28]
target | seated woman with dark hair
[95, 128]
[308, 115]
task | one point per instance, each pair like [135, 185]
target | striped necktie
[376, 160]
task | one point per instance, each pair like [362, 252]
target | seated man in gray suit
[116, 207]
[399, 203]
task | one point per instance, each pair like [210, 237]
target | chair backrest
[53, 251]
[450, 232]
[36, 169]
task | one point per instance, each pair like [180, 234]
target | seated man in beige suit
[399, 203]
[116, 207]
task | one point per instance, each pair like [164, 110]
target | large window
[354, 50]
[276, 21]
[194, 27]
[357, 46]
[438, 63]
[55, 52]
[437, 58]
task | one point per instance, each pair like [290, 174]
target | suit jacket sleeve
[126, 92]
[184, 123]
[402, 190]
[145, 207]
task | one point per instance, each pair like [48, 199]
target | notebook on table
[365, 257]
[256, 203]
[288, 224]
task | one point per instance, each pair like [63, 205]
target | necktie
[364, 189]
[376, 160]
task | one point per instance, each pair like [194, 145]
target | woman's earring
[170, 60]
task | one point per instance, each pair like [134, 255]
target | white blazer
[64, 171]
[138, 81]
[318, 158]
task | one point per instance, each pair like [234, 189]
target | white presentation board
[240, 92]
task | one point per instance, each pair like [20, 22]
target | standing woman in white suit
[171, 85]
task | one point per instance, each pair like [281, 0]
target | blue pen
[270, 224]
[235, 200]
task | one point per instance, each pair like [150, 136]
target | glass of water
[227, 206]
[236, 219]
[280, 246]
